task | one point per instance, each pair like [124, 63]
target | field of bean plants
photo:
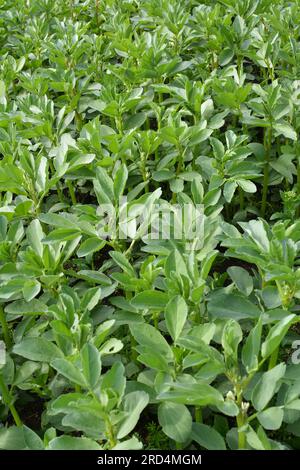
[149, 225]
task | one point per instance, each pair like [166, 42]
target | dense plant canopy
[117, 117]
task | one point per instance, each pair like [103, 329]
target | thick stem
[241, 418]
[240, 65]
[8, 401]
[119, 124]
[144, 157]
[97, 11]
[110, 433]
[267, 145]
[129, 250]
[71, 192]
[5, 329]
[78, 120]
[155, 317]
[59, 192]
[273, 359]
[180, 164]
[227, 212]
[198, 414]
[241, 197]
[241, 434]
[298, 175]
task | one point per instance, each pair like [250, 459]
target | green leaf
[105, 183]
[129, 444]
[90, 298]
[271, 418]
[207, 437]
[84, 421]
[12, 438]
[31, 439]
[231, 338]
[233, 305]
[154, 360]
[199, 136]
[94, 277]
[197, 394]
[275, 335]
[61, 235]
[37, 349]
[286, 130]
[114, 379]
[176, 314]
[35, 235]
[197, 190]
[175, 420]
[134, 403]
[21, 307]
[121, 260]
[91, 364]
[31, 289]
[90, 246]
[207, 263]
[68, 370]
[112, 346]
[293, 405]
[257, 232]
[251, 348]
[163, 175]
[257, 440]
[120, 181]
[267, 386]
[247, 185]
[175, 263]
[73, 443]
[226, 56]
[176, 185]
[241, 279]
[150, 299]
[57, 220]
[271, 297]
[229, 190]
[137, 120]
[149, 337]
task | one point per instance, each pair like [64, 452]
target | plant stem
[298, 175]
[5, 329]
[155, 319]
[273, 358]
[241, 196]
[7, 400]
[129, 250]
[59, 192]
[180, 163]
[71, 192]
[198, 414]
[110, 433]
[97, 11]
[78, 120]
[241, 418]
[144, 171]
[241, 434]
[267, 145]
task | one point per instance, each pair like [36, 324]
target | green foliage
[111, 114]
